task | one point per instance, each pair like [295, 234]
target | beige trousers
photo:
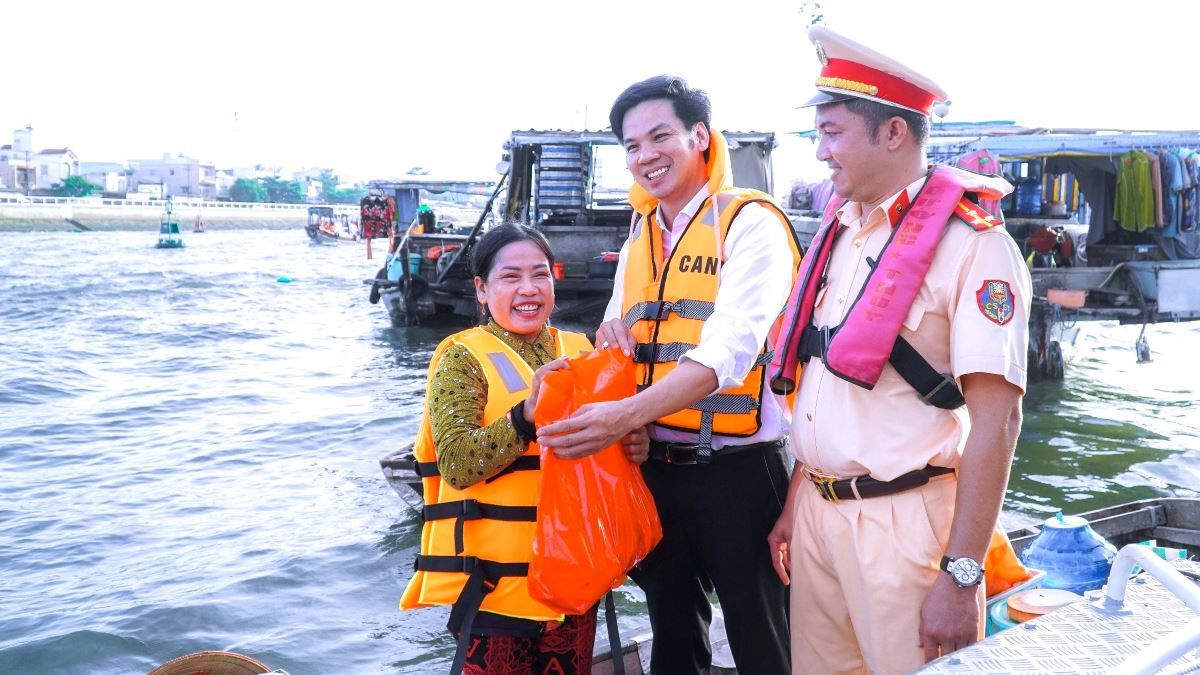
[860, 571]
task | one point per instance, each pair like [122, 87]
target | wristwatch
[964, 571]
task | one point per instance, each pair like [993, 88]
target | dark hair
[690, 105]
[486, 247]
[876, 113]
[483, 254]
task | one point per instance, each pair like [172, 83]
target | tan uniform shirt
[845, 430]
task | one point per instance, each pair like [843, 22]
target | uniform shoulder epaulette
[975, 216]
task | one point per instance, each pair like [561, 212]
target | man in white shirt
[701, 282]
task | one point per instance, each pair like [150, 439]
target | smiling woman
[480, 468]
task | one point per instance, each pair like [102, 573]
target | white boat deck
[1083, 637]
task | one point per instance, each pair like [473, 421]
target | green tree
[74, 186]
[247, 190]
[283, 191]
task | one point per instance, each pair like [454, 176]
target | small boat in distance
[325, 226]
[168, 230]
[199, 225]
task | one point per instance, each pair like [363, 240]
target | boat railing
[1171, 647]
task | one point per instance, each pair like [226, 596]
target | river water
[189, 445]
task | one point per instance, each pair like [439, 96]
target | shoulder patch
[995, 300]
[975, 217]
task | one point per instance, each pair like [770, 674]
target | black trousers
[715, 522]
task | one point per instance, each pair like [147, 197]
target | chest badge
[995, 301]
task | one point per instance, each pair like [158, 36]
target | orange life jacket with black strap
[476, 543]
[666, 302]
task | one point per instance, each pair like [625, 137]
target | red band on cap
[888, 87]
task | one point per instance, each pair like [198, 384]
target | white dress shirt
[755, 281]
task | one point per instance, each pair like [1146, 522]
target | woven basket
[212, 663]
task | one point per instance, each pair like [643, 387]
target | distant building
[53, 166]
[17, 171]
[112, 177]
[179, 176]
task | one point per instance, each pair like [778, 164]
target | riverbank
[289, 222]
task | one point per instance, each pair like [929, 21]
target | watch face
[965, 571]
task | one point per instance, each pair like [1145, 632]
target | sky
[372, 89]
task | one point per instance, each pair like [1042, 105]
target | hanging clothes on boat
[1134, 207]
[1172, 187]
[376, 215]
[1155, 186]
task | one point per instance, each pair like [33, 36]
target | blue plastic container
[1071, 554]
[1029, 197]
[414, 263]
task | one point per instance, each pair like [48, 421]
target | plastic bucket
[414, 263]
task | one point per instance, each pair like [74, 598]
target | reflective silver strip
[726, 403]
[508, 372]
[685, 308]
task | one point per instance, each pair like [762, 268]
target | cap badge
[821, 54]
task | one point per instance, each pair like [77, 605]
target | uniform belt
[833, 489]
[688, 453]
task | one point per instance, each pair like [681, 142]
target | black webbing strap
[704, 448]
[660, 311]
[522, 463]
[660, 352]
[471, 509]
[937, 389]
[614, 635]
[483, 576]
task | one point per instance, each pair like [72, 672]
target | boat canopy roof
[1010, 141]
[470, 187]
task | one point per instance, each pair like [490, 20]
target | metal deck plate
[1081, 638]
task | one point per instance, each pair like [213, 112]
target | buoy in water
[284, 279]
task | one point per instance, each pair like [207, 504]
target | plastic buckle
[826, 338]
[664, 310]
[687, 454]
[470, 510]
[946, 381]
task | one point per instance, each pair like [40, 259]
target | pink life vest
[860, 347]
[984, 162]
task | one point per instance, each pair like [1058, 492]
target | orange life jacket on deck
[477, 542]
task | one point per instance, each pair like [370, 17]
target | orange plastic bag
[596, 518]
[1001, 568]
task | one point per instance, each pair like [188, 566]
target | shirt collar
[889, 211]
[689, 210]
[543, 345]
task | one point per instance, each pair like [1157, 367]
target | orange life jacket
[477, 542]
[666, 302]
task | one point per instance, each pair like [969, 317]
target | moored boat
[573, 187]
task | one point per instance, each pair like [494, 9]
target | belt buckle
[690, 453]
[824, 483]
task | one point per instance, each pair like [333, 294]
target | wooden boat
[325, 226]
[1173, 523]
[573, 187]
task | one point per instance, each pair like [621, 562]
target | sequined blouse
[467, 451]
